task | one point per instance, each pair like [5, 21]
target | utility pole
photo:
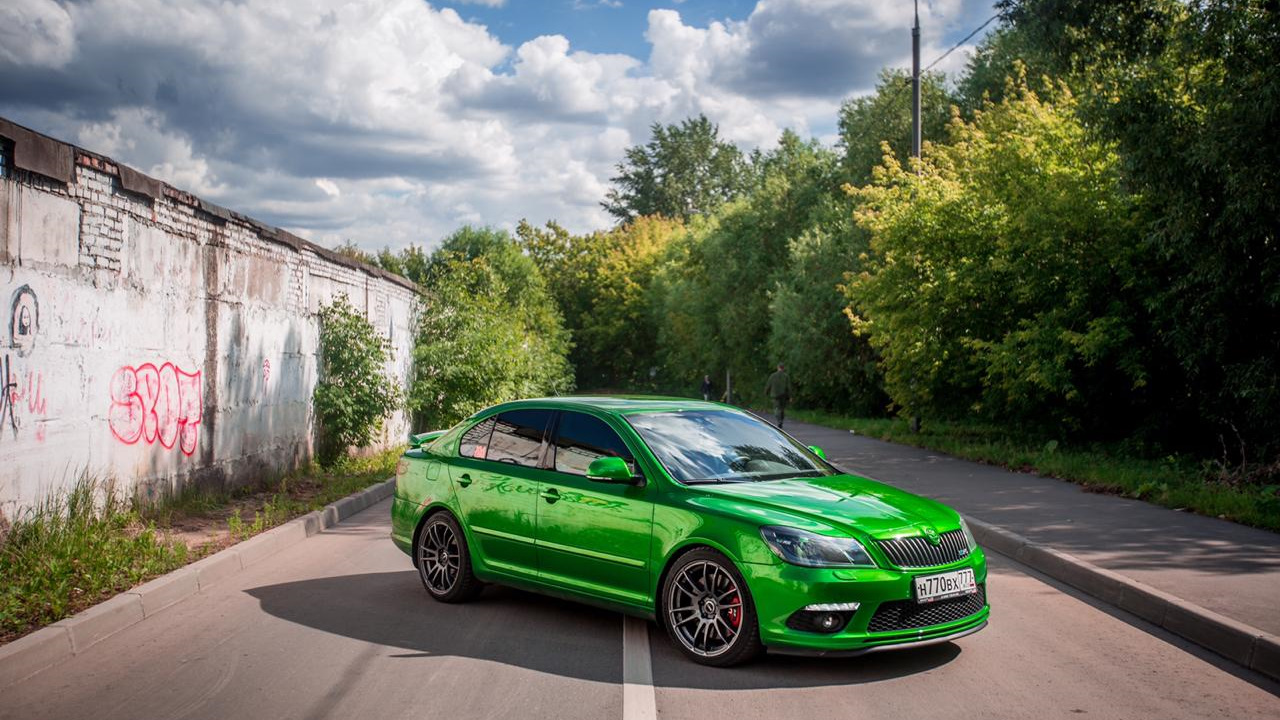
[915, 121]
[915, 84]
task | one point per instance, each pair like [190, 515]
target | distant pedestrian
[778, 388]
[707, 388]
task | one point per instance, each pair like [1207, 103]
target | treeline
[1087, 249]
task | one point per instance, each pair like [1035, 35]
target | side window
[475, 442]
[517, 437]
[581, 439]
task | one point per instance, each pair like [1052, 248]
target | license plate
[931, 588]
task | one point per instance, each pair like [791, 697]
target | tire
[704, 591]
[444, 560]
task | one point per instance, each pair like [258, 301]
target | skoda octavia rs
[731, 534]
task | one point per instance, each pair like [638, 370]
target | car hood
[848, 503]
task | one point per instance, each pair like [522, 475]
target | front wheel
[708, 612]
[444, 562]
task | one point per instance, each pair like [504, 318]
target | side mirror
[818, 451]
[611, 470]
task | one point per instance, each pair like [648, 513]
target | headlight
[799, 547]
[968, 535]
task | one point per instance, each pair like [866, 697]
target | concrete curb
[1240, 643]
[54, 643]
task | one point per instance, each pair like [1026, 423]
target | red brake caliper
[735, 613]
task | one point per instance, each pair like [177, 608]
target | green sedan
[727, 531]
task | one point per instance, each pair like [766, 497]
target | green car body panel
[609, 543]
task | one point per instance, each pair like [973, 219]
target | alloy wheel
[704, 608]
[440, 556]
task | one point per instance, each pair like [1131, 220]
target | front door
[593, 537]
[495, 478]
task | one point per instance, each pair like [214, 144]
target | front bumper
[779, 590]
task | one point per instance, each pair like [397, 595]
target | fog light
[825, 618]
[829, 622]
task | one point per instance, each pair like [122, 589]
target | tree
[601, 283]
[1004, 277]
[684, 170]
[868, 122]
[353, 395]
[348, 249]
[832, 368]
[712, 304]
[410, 263]
[488, 331]
[1005, 52]
[1189, 93]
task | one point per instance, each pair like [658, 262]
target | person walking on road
[707, 389]
[778, 388]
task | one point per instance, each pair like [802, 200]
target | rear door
[593, 537]
[495, 478]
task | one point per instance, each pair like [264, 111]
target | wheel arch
[432, 510]
[684, 548]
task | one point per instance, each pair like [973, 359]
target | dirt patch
[206, 531]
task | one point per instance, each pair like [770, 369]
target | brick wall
[156, 338]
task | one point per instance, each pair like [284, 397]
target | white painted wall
[149, 341]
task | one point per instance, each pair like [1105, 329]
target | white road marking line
[638, 700]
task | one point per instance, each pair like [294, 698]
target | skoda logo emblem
[932, 535]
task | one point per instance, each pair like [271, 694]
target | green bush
[353, 395]
[1005, 276]
[488, 331]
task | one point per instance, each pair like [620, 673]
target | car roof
[619, 404]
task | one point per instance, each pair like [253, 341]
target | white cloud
[392, 121]
[35, 32]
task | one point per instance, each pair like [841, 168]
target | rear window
[475, 442]
[517, 437]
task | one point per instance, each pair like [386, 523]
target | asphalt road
[1228, 568]
[339, 626]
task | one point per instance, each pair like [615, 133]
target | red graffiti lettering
[36, 402]
[150, 404]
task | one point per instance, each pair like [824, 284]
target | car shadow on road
[545, 634]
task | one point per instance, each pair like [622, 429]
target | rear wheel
[708, 612]
[444, 561]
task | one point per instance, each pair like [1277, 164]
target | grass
[88, 543]
[75, 549]
[1172, 481]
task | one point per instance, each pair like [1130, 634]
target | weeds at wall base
[87, 544]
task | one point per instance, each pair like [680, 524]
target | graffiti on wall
[21, 389]
[24, 320]
[150, 404]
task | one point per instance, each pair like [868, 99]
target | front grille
[916, 552]
[908, 615]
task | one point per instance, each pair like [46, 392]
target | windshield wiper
[788, 476]
[712, 481]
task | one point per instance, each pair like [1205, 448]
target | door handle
[464, 480]
[550, 495]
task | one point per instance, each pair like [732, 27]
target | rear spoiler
[417, 441]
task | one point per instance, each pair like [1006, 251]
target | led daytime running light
[833, 607]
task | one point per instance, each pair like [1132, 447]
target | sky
[390, 122]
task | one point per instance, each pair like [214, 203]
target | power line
[906, 85]
[966, 39]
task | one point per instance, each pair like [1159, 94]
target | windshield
[699, 446]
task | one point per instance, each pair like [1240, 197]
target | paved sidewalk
[1227, 568]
